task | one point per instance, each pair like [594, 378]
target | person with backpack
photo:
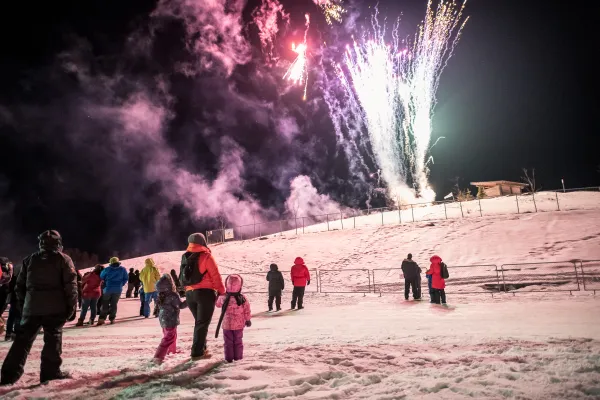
[91, 292]
[131, 278]
[235, 315]
[149, 276]
[115, 277]
[46, 291]
[169, 304]
[412, 275]
[439, 272]
[201, 277]
[300, 279]
[276, 286]
[136, 283]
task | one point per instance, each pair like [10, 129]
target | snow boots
[79, 322]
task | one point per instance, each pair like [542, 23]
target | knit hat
[50, 240]
[165, 284]
[150, 263]
[273, 267]
[113, 260]
[197, 238]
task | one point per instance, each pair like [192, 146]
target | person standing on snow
[6, 274]
[169, 304]
[131, 278]
[149, 276]
[136, 283]
[438, 284]
[201, 277]
[13, 321]
[115, 277]
[300, 279]
[91, 292]
[276, 286]
[412, 278]
[235, 315]
[46, 291]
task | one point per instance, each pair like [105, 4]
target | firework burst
[395, 87]
[332, 10]
[297, 73]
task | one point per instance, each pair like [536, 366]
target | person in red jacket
[202, 296]
[438, 284]
[300, 279]
[91, 291]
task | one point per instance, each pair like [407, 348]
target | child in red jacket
[438, 284]
[90, 291]
[300, 279]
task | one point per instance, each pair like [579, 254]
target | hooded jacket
[115, 277]
[47, 283]
[149, 276]
[236, 314]
[131, 277]
[91, 285]
[411, 270]
[299, 273]
[276, 282]
[437, 282]
[212, 279]
[169, 302]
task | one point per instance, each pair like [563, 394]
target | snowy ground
[528, 346]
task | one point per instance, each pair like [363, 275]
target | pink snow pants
[234, 345]
[168, 344]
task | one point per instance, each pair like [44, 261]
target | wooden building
[500, 188]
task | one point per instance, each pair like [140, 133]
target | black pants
[130, 288]
[416, 289]
[109, 305]
[15, 360]
[276, 295]
[437, 295]
[136, 290]
[13, 322]
[298, 296]
[201, 303]
[3, 298]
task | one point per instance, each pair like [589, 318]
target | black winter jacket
[276, 282]
[410, 269]
[47, 285]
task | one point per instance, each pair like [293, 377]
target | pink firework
[297, 73]
[266, 18]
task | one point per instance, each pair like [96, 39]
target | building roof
[498, 183]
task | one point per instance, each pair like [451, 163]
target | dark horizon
[517, 93]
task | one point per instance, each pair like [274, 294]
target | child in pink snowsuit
[235, 315]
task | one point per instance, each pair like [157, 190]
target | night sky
[115, 130]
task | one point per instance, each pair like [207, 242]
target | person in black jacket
[14, 314]
[131, 279]
[276, 285]
[412, 277]
[46, 291]
[136, 283]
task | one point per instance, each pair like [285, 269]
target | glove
[248, 324]
[307, 282]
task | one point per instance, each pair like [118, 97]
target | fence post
[480, 213]
[461, 210]
[354, 213]
[242, 233]
[259, 231]
[327, 222]
[280, 227]
[412, 210]
[517, 197]
[557, 203]
[296, 223]
[498, 276]
[400, 212]
[303, 225]
[583, 276]
[369, 275]
[374, 281]
[503, 280]
[445, 212]
[534, 205]
[342, 219]
[576, 275]
[207, 240]
[382, 217]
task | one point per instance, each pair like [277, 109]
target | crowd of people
[46, 291]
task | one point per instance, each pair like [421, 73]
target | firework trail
[297, 73]
[396, 90]
[265, 18]
[332, 9]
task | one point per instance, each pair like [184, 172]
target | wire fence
[567, 276]
[557, 200]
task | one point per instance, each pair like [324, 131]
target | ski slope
[355, 346]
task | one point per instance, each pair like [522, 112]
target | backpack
[189, 273]
[444, 271]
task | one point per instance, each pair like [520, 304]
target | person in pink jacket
[438, 284]
[300, 279]
[235, 315]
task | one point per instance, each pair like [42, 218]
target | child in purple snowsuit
[169, 305]
[235, 315]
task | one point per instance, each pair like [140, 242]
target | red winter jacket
[91, 286]
[437, 282]
[299, 273]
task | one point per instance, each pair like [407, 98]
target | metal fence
[567, 276]
[558, 200]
